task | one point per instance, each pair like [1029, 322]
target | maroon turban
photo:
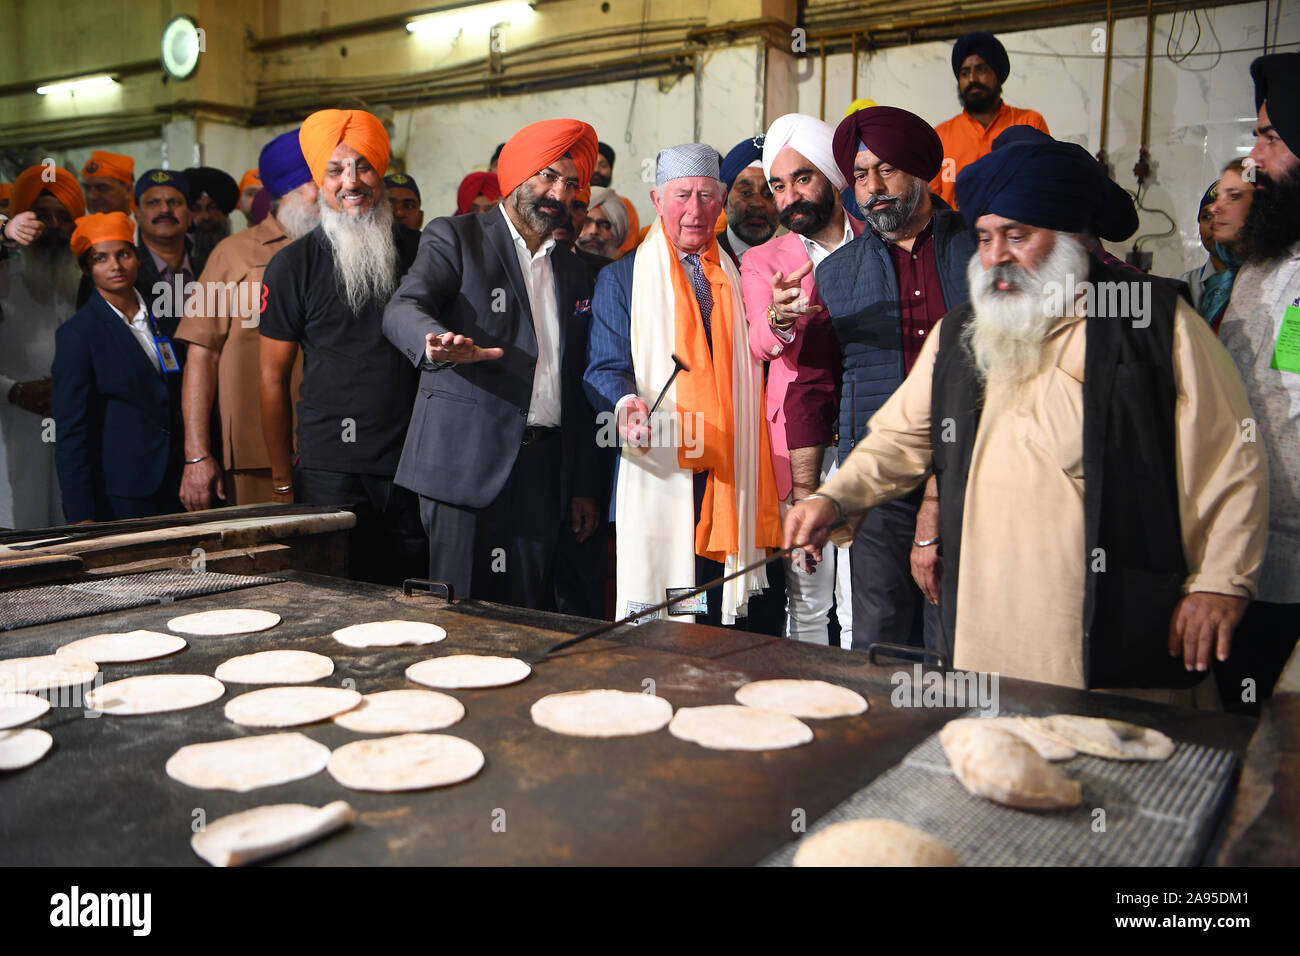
[900, 138]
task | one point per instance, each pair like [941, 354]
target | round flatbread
[290, 706]
[252, 835]
[802, 698]
[469, 670]
[21, 674]
[125, 647]
[247, 763]
[389, 634]
[18, 709]
[1102, 737]
[241, 620]
[873, 842]
[406, 762]
[733, 727]
[602, 713]
[22, 748]
[1027, 729]
[154, 694]
[401, 712]
[275, 667]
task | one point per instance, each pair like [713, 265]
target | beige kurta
[1023, 568]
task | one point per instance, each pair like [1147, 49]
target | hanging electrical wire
[1137, 201]
[636, 78]
[1174, 52]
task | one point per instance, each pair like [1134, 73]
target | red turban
[102, 165]
[473, 186]
[251, 177]
[322, 132]
[101, 227]
[60, 184]
[539, 144]
[898, 137]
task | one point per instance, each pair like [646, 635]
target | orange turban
[322, 132]
[5, 190]
[109, 166]
[250, 177]
[101, 227]
[538, 145]
[35, 180]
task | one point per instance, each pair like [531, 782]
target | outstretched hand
[454, 347]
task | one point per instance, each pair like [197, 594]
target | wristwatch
[772, 319]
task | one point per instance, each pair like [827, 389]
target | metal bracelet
[839, 509]
[195, 461]
[281, 489]
[924, 544]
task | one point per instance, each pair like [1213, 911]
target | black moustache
[166, 219]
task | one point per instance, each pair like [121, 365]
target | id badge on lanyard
[162, 344]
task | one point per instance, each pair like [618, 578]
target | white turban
[808, 136]
[615, 211]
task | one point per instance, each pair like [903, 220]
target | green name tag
[1286, 353]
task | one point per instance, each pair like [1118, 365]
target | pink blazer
[784, 254]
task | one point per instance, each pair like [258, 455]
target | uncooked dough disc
[802, 698]
[733, 727]
[402, 711]
[154, 693]
[469, 670]
[22, 748]
[124, 647]
[240, 620]
[275, 667]
[252, 835]
[874, 842]
[406, 762]
[21, 674]
[18, 709]
[389, 634]
[290, 706]
[247, 763]
[602, 713]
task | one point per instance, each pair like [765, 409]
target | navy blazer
[117, 418]
[468, 421]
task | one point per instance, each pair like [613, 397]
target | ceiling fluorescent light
[78, 84]
[480, 15]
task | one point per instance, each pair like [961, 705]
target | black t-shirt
[357, 389]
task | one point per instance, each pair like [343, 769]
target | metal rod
[822, 114]
[678, 366]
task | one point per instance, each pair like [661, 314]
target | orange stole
[707, 389]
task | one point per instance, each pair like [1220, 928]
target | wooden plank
[38, 569]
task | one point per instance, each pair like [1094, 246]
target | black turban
[1277, 83]
[220, 186]
[607, 151]
[989, 49]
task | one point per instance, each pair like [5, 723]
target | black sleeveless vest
[1133, 551]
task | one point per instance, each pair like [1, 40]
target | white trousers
[809, 596]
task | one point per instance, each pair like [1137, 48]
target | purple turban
[900, 138]
[282, 166]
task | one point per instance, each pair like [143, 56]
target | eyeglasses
[551, 177]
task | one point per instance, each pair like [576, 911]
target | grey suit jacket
[468, 421]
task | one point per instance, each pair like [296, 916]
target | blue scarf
[1218, 287]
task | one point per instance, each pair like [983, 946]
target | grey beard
[889, 220]
[365, 253]
[50, 272]
[296, 215]
[1005, 335]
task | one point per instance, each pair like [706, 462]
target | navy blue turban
[744, 153]
[1040, 181]
[282, 165]
[402, 181]
[162, 177]
[989, 49]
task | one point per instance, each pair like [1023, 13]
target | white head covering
[808, 136]
[615, 211]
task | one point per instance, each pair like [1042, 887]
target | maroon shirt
[920, 295]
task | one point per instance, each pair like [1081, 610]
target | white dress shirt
[140, 328]
[539, 280]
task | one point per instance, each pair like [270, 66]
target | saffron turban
[103, 165]
[1277, 84]
[322, 132]
[602, 197]
[475, 185]
[1047, 184]
[217, 183]
[251, 177]
[988, 48]
[5, 190]
[101, 227]
[809, 137]
[539, 144]
[746, 153]
[162, 177]
[282, 166]
[898, 137]
[861, 103]
[55, 180]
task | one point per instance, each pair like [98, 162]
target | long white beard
[365, 253]
[1006, 333]
[297, 214]
[50, 272]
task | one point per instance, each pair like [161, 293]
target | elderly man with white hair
[605, 227]
[790, 328]
[695, 492]
[1102, 504]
